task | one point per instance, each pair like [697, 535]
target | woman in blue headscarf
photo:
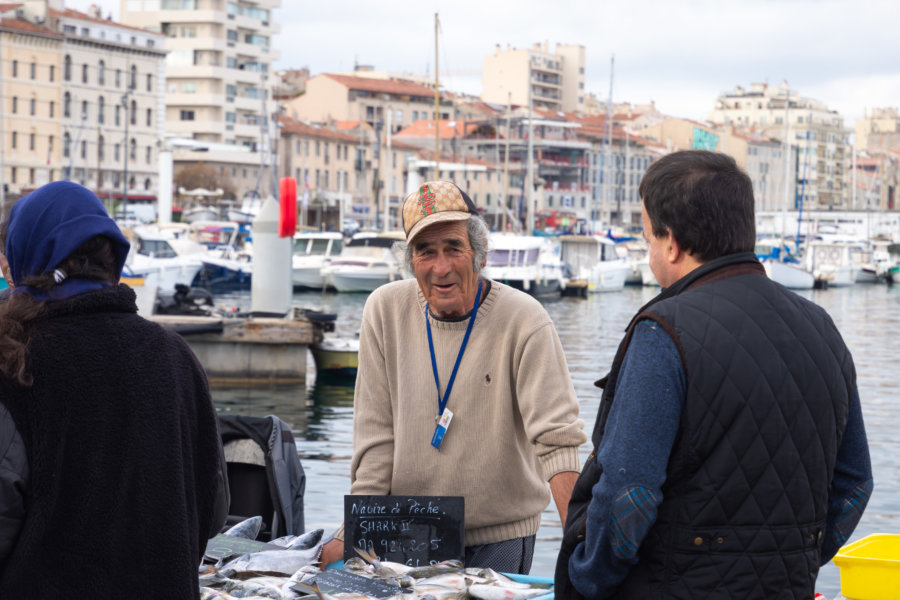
[111, 465]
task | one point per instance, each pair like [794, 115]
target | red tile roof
[383, 86]
[74, 14]
[291, 126]
[447, 129]
[6, 7]
[25, 26]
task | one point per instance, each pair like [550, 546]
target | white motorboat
[164, 256]
[831, 263]
[312, 251]
[365, 263]
[528, 263]
[593, 259]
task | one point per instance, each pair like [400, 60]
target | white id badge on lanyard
[441, 428]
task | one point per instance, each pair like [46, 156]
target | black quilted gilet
[769, 381]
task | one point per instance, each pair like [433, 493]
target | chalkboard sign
[413, 530]
[223, 546]
[341, 582]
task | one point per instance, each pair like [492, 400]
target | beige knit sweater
[515, 415]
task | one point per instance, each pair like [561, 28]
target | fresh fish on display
[248, 528]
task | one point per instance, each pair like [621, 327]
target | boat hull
[336, 358]
[790, 276]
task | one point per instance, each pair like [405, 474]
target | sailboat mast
[786, 148]
[529, 171]
[606, 141]
[437, 105]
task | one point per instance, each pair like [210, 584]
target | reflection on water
[321, 414]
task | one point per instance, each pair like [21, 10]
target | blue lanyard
[442, 402]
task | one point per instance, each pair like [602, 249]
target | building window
[15, 104]
[52, 72]
[118, 77]
[116, 152]
[118, 115]
[33, 70]
[15, 68]
[132, 150]
[84, 110]
[100, 148]
[67, 68]
[14, 139]
[84, 73]
[149, 154]
[134, 112]
[101, 105]
[32, 104]
[149, 117]
[149, 82]
[67, 142]
[83, 148]
[52, 108]
[147, 184]
[187, 115]
[101, 73]
[133, 81]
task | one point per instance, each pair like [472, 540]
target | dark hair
[704, 199]
[95, 260]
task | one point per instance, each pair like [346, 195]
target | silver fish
[300, 542]
[284, 562]
[248, 528]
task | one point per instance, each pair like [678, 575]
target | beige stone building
[112, 81]
[551, 80]
[30, 88]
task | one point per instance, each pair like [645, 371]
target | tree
[199, 175]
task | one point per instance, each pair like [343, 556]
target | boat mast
[529, 171]
[607, 135]
[786, 148]
[505, 198]
[437, 105]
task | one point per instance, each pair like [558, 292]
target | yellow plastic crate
[870, 568]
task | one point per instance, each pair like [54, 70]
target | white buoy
[271, 287]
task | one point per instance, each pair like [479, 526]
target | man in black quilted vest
[730, 457]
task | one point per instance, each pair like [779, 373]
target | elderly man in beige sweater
[484, 360]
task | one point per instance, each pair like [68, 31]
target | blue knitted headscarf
[50, 223]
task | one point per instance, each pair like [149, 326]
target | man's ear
[674, 250]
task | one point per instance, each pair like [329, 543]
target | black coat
[123, 453]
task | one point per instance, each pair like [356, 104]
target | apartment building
[376, 101]
[31, 93]
[112, 84]
[764, 159]
[817, 132]
[549, 80]
[218, 91]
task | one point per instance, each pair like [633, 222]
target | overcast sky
[679, 53]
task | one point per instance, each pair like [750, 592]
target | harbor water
[321, 413]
